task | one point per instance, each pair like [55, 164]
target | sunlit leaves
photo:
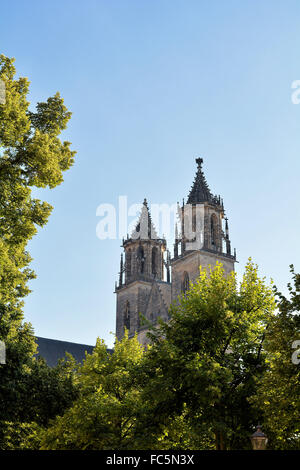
[31, 154]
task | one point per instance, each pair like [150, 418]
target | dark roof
[52, 350]
[200, 191]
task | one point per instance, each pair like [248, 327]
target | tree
[104, 415]
[45, 393]
[203, 362]
[278, 394]
[190, 389]
[31, 154]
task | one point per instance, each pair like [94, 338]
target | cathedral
[150, 278]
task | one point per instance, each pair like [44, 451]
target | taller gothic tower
[204, 237]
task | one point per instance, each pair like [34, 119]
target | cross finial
[199, 161]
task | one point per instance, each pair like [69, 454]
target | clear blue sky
[152, 85]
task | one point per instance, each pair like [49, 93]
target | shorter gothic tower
[142, 290]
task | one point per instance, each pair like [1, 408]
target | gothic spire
[144, 228]
[200, 191]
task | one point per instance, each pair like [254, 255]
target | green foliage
[104, 415]
[278, 394]
[190, 389]
[203, 362]
[47, 391]
[44, 393]
[221, 364]
[18, 435]
[31, 154]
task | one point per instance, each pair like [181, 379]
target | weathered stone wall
[210, 211]
[191, 262]
[136, 294]
[131, 250]
[151, 299]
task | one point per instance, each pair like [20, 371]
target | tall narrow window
[194, 221]
[185, 282]
[141, 259]
[213, 230]
[154, 260]
[128, 263]
[127, 316]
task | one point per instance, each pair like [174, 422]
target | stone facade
[189, 264]
[143, 293]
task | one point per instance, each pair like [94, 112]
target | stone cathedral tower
[203, 240]
[204, 217]
[144, 290]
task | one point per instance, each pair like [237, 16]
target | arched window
[185, 282]
[213, 230]
[154, 260]
[127, 316]
[128, 263]
[194, 226]
[141, 259]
